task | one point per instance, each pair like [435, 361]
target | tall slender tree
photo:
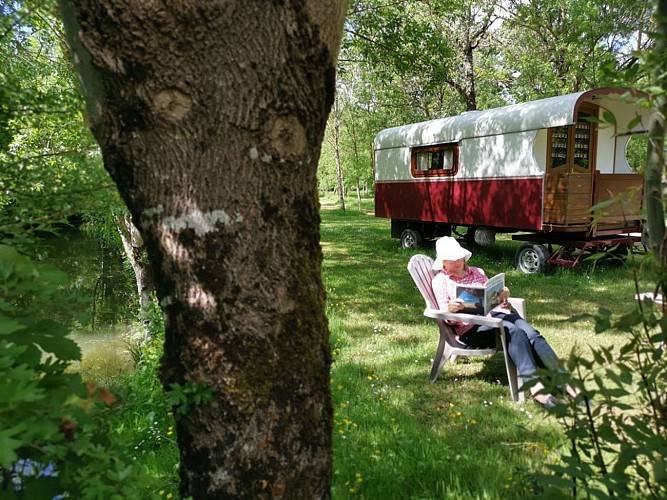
[336, 116]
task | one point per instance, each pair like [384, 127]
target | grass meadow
[396, 435]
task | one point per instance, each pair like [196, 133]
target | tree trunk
[339, 167]
[133, 244]
[469, 92]
[210, 115]
[358, 194]
[655, 165]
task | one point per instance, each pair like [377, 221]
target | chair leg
[442, 353]
[519, 383]
[512, 375]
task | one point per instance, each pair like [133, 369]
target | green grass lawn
[396, 434]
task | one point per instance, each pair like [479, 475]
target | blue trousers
[526, 346]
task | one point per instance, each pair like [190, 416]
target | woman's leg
[521, 351]
[518, 348]
[479, 337]
[518, 345]
[541, 347]
[539, 344]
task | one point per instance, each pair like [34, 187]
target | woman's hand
[505, 294]
[455, 306]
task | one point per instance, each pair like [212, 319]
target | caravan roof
[544, 113]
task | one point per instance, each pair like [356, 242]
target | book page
[493, 287]
[472, 297]
[481, 298]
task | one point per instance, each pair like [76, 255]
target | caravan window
[437, 160]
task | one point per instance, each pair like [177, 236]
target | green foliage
[52, 168]
[144, 417]
[404, 62]
[636, 152]
[183, 397]
[618, 444]
[570, 42]
[49, 418]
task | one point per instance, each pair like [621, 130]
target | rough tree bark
[210, 115]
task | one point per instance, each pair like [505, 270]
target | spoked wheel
[531, 258]
[410, 238]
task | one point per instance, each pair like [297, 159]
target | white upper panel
[551, 112]
[544, 113]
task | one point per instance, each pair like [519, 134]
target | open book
[480, 299]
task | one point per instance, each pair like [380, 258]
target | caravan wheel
[531, 258]
[410, 238]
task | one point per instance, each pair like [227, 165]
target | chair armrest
[465, 318]
[519, 304]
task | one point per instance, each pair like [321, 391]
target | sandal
[546, 400]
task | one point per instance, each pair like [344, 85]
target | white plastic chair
[420, 268]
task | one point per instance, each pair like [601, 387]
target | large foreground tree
[210, 115]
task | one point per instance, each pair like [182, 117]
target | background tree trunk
[133, 245]
[655, 164]
[210, 115]
[339, 166]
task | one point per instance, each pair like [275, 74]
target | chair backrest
[420, 268]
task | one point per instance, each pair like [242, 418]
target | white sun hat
[447, 248]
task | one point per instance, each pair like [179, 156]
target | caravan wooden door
[571, 152]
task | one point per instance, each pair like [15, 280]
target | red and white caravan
[536, 168]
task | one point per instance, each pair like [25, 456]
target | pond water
[100, 282]
[100, 300]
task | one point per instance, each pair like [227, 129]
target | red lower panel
[508, 203]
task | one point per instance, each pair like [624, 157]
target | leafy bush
[618, 444]
[54, 434]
